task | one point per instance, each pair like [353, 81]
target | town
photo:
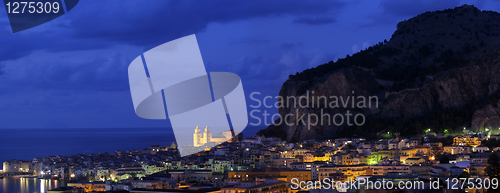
[267, 164]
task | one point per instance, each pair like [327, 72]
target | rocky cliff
[439, 70]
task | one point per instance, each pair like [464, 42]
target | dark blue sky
[73, 70]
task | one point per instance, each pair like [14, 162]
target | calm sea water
[26, 144]
[28, 185]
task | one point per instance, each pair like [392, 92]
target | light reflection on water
[28, 185]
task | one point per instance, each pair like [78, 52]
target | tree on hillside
[436, 151]
[464, 175]
[444, 159]
[493, 169]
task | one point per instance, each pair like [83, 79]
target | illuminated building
[284, 162]
[480, 149]
[13, 166]
[466, 140]
[348, 172]
[327, 157]
[294, 153]
[457, 149]
[89, 186]
[153, 168]
[414, 161]
[128, 172]
[151, 184]
[302, 175]
[189, 175]
[385, 169]
[200, 139]
[264, 187]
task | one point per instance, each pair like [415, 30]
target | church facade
[200, 139]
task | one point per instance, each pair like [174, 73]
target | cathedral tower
[207, 136]
[197, 137]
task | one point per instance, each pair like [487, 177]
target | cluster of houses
[261, 164]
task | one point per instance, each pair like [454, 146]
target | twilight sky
[73, 70]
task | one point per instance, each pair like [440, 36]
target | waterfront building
[16, 166]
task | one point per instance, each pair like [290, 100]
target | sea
[28, 185]
[26, 144]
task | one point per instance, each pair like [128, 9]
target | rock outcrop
[434, 62]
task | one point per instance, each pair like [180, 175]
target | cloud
[315, 20]
[100, 69]
[250, 40]
[103, 24]
[320, 58]
[290, 45]
[413, 8]
[146, 23]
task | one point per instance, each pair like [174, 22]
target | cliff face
[487, 117]
[453, 88]
[340, 84]
[443, 63]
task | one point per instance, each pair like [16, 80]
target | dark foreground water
[28, 185]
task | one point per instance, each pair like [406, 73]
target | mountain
[439, 70]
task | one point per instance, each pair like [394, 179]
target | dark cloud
[146, 23]
[102, 24]
[315, 20]
[251, 41]
[413, 8]
[69, 72]
[290, 45]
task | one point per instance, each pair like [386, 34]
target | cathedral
[200, 139]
